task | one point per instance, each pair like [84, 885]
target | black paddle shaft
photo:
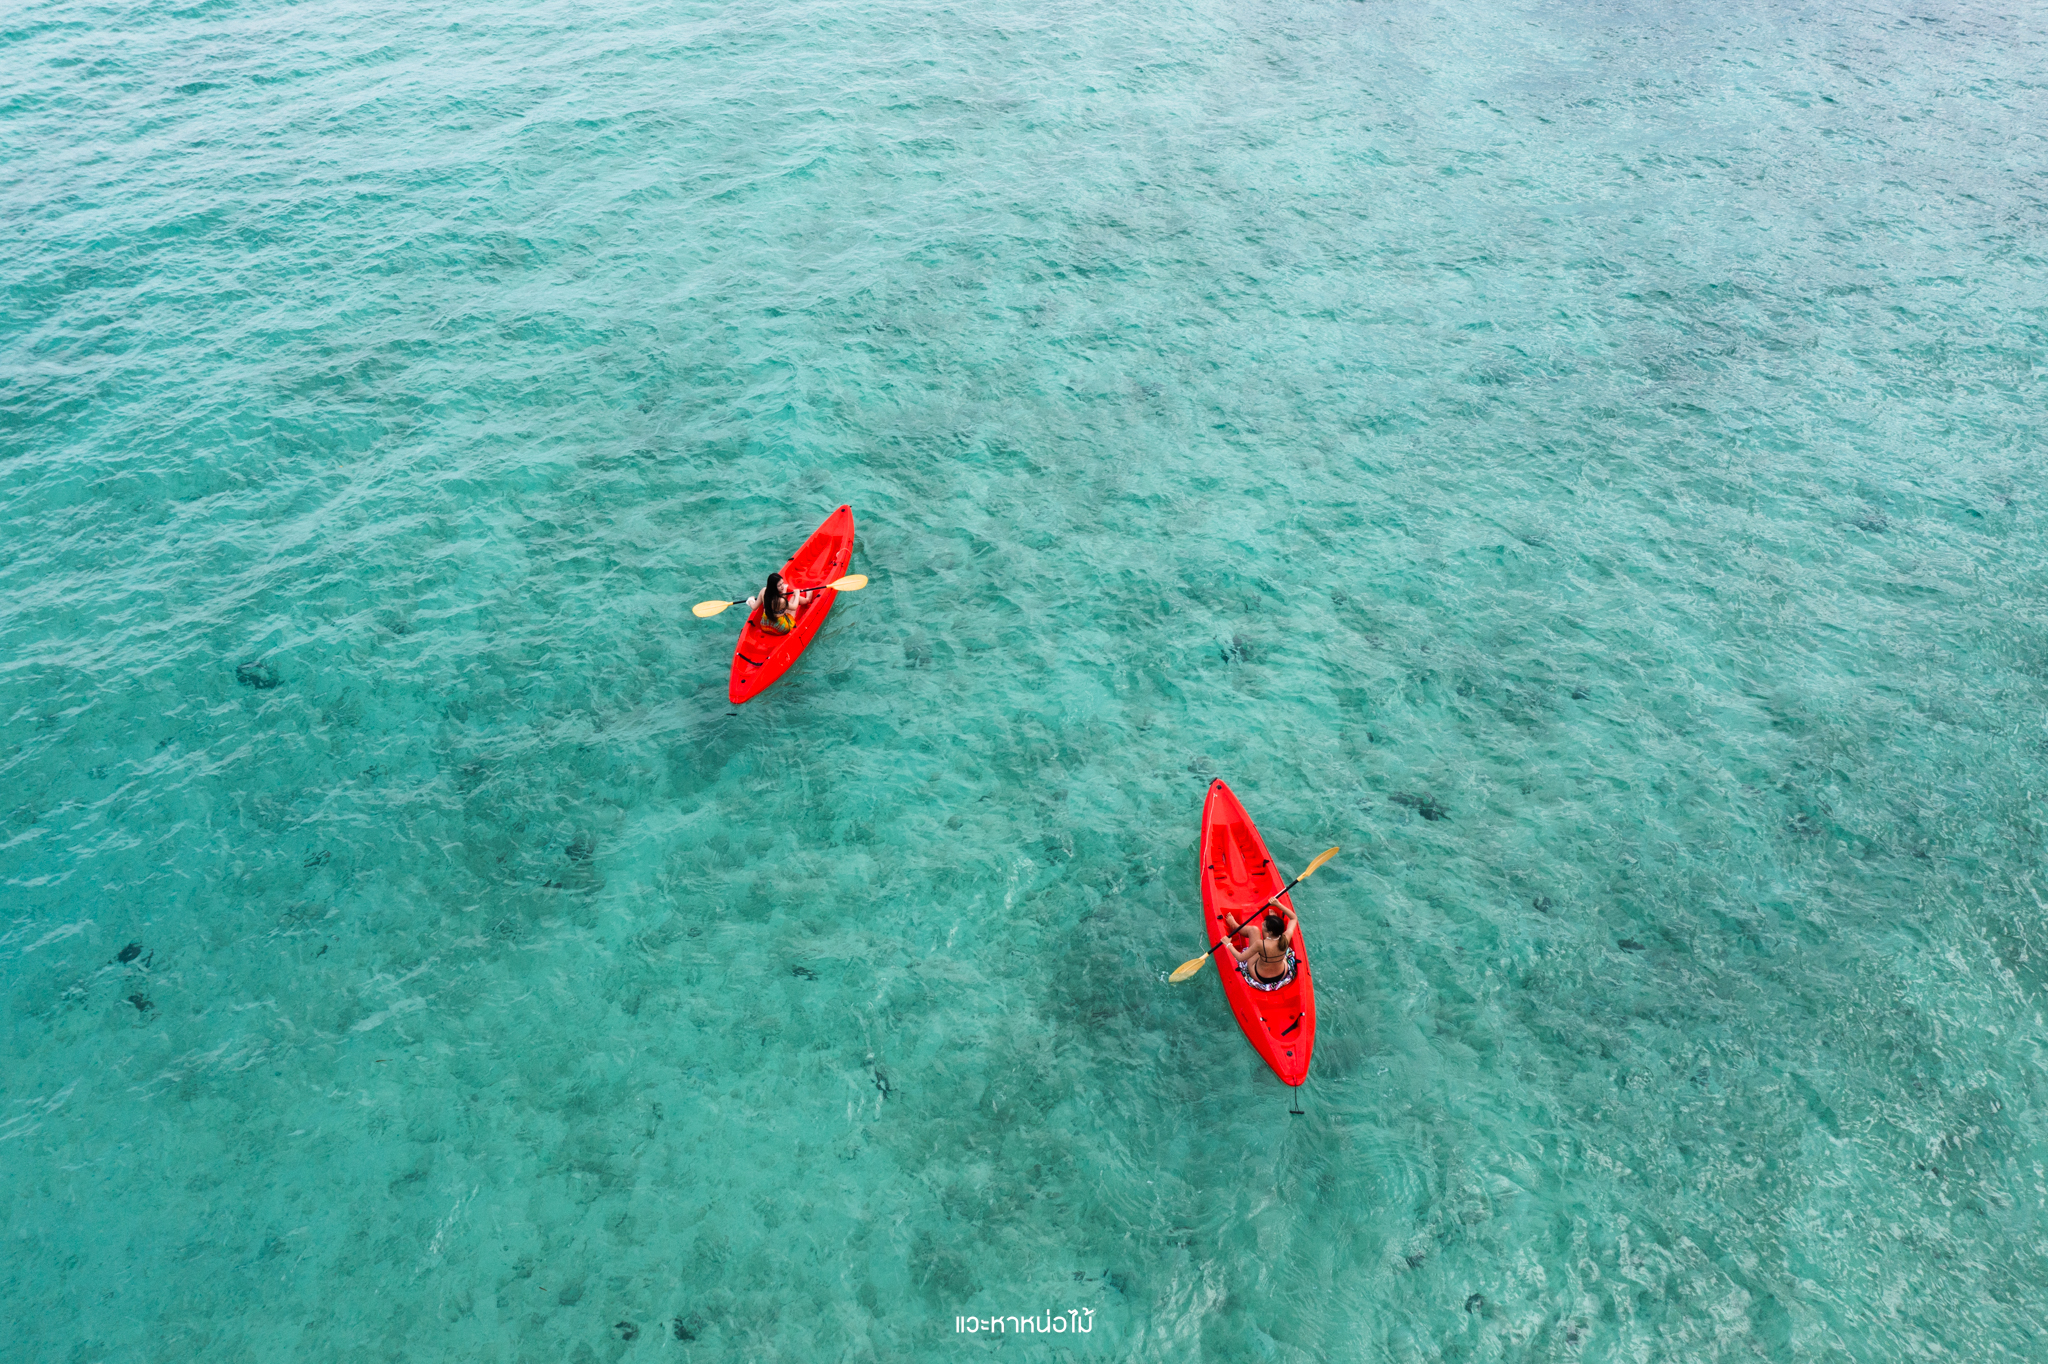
[819, 588]
[1240, 927]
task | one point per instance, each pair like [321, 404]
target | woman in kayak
[1266, 962]
[778, 605]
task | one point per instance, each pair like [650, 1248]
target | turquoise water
[1585, 462]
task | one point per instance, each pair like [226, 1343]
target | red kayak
[1238, 876]
[762, 657]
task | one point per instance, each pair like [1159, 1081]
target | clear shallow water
[1615, 432]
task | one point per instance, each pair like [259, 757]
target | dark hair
[1274, 923]
[773, 595]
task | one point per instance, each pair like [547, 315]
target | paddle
[1188, 968]
[704, 610]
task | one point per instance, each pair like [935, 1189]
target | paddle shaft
[1241, 923]
[852, 582]
[787, 588]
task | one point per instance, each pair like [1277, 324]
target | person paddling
[778, 605]
[1267, 962]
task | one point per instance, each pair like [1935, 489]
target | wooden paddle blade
[1317, 863]
[705, 609]
[1188, 968]
[852, 582]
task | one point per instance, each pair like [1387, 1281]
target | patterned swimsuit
[1251, 977]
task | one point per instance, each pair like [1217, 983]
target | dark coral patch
[1428, 806]
[1243, 650]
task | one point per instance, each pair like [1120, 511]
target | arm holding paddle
[1188, 968]
[1255, 921]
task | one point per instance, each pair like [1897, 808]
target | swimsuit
[1251, 977]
